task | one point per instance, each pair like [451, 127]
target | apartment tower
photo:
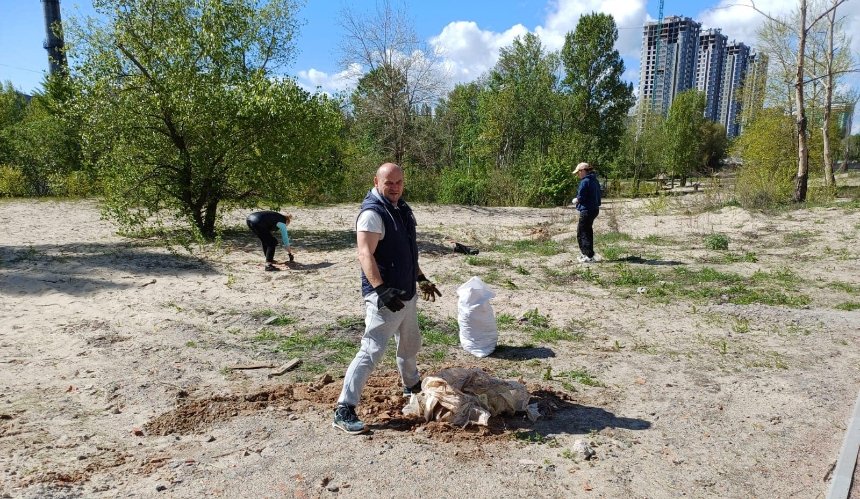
[668, 61]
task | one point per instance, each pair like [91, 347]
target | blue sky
[468, 33]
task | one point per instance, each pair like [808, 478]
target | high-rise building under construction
[669, 51]
[677, 56]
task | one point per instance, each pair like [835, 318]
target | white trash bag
[478, 331]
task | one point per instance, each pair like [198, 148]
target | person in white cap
[587, 202]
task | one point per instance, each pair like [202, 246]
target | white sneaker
[584, 259]
[596, 258]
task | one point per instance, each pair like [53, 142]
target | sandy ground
[115, 356]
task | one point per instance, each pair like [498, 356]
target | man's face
[581, 174]
[389, 183]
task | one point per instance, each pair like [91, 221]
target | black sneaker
[346, 419]
[271, 268]
[412, 390]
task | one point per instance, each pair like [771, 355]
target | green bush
[13, 182]
[463, 186]
[717, 241]
[74, 184]
[769, 153]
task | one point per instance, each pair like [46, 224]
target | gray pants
[379, 326]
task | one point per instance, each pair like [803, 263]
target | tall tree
[837, 60]
[802, 27]
[599, 98]
[184, 110]
[683, 134]
[520, 103]
[384, 43]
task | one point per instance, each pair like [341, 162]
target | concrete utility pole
[54, 36]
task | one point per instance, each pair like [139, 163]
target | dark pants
[269, 241]
[585, 233]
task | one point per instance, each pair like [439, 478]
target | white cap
[582, 166]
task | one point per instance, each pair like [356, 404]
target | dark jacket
[588, 194]
[265, 220]
[396, 254]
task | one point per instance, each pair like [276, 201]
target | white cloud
[314, 80]
[469, 51]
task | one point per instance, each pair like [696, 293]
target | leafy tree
[459, 117]
[683, 134]
[641, 150]
[183, 110]
[13, 108]
[519, 105]
[402, 73]
[599, 99]
[767, 148]
[714, 144]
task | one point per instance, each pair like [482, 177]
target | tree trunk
[829, 178]
[802, 148]
[208, 228]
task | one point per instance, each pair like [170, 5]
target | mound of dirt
[381, 407]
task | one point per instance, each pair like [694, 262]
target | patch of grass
[530, 436]
[262, 313]
[191, 344]
[437, 333]
[437, 355]
[612, 252]
[504, 320]
[848, 305]
[317, 345]
[773, 360]
[534, 318]
[486, 261]
[611, 237]
[844, 286]
[799, 237]
[283, 320]
[783, 276]
[741, 326]
[575, 274]
[231, 280]
[656, 240]
[581, 376]
[739, 294]
[542, 247]
[633, 276]
[552, 335]
[266, 335]
[748, 257]
[522, 270]
[717, 241]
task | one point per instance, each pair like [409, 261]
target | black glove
[428, 290]
[389, 297]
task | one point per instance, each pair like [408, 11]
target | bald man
[390, 281]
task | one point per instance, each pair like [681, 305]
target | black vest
[396, 254]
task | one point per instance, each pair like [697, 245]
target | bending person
[263, 223]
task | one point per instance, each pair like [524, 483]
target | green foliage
[683, 134]
[581, 376]
[769, 153]
[849, 306]
[717, 241]
[13, 183]
[184, 112]
[597, 98]
[463, 186]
